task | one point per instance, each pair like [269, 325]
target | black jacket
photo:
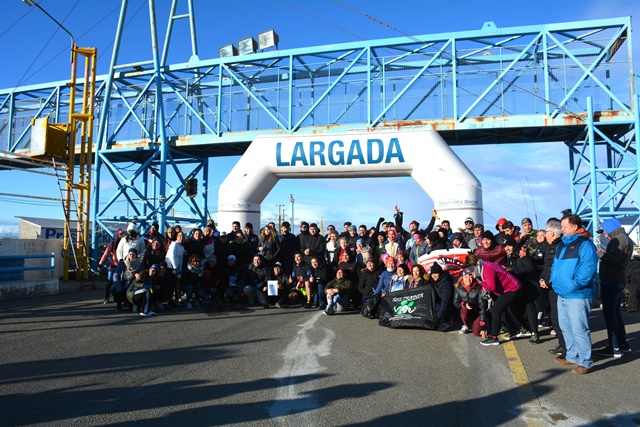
[549, 255]
[444, 290]
[368, 281]
[471, 297]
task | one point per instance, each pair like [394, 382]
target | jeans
[339, 302]
[611, 294]
[573, 316]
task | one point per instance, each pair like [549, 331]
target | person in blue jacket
[572, 274]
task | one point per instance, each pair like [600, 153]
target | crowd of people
[512, 283]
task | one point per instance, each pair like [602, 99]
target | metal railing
[19, 269]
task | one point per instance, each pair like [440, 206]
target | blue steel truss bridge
[571, 82]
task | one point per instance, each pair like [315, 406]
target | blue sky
[518, 180]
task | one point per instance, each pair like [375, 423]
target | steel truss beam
[518, 84]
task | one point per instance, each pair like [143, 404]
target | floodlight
[228, 50]
[247, 46]
[268, 39]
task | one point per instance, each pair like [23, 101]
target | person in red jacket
[111, 257]
[504, 288]
[490, 250]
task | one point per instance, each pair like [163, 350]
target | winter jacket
[471, 297]
[496, 254]
[384, 281]
[368, 281]
[175, 257]
[270, 249]
[126, 243]
[549, 256]
[110, 254]
[574, 267]
[496, 279]
[343, 285]
[614, 260]
[444, 291]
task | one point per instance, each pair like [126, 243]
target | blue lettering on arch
[279, 161]
[298, 155]
[333, 153]
[394, 151]
[370, 158]
[316, 148]
[355, 153]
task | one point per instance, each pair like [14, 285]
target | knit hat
[405, 267]
[352, 227]
[231, 257]
[134, 250]
[417, 236]
[526, 221]
[469, 219]
[608, 225]
[487, 235]
[457, 236]
[500, 222]
[360, 241]
[509, 241]
[436, 268]
[132, 226]
[433, 236]
[467, 271]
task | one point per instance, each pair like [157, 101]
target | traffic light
[191, 187]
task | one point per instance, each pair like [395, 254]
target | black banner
[413, 308]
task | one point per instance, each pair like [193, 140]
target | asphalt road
[70, 360]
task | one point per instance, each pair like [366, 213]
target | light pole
[79, 128]
[280, 214]
[293, 224]
[73, 41]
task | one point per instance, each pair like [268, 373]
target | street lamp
[293, 224]
[73, 41]
[78, 176]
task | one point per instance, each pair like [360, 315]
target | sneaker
[511, 335]
[553, 332]
[106, 301]
[523, 333]
[580, 370]
[535, 339]
[265, 304]
[135, 308]
[625, 349]
[443, 326]
[559, 350]
[308, 305]
[464, 330]
[329, 310]
[503, 330]
[609, 352]
[278, 305]
[149, 314]
[491, 341]
[188, 306]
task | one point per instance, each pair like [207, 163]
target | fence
[12, 266]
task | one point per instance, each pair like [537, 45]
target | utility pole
[280, 215]
[293, 224]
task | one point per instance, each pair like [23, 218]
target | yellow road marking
[531, 409]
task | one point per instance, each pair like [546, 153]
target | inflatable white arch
[421, 154]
